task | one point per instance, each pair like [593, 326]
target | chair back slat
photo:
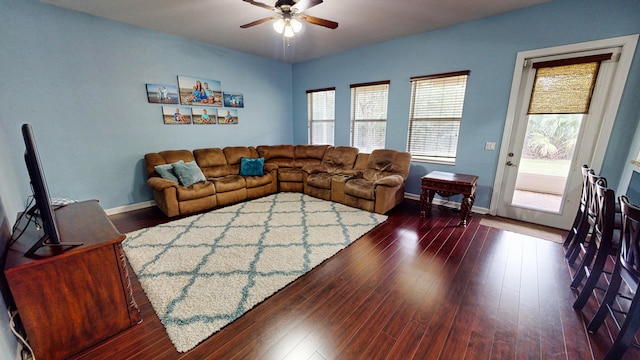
[593, 180]
[605, 200]
[586, 193]
[630, 238]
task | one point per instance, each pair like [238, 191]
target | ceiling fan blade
[259, 4]
[318, 21]
[303, 5]
[258, 22]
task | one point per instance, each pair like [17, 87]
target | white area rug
[201, 273]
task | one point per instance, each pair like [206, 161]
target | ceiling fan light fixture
[288, 31]
[279, 26]
[296, 25]
[287, 27]
[290, 15]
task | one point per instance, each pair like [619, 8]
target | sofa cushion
[257, 181]
[290, 174]
[340, 157]
[320, 180]
[212, 162]
[360, 188]
[251, 167]
[229, 183]
[196, 191]
[385, 162]
[166, 171]
[309, 154]
[188, 173]
[165, 157]
[281, 155]
[234, 154]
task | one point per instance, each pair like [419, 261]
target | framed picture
[204, 115]
[162, 94]
[227, 116]
[176, 115]
[235, 100]
[198, 91]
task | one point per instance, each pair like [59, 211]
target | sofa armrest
[352, 174]
[391, 181]
[157, 183]
[269, 167]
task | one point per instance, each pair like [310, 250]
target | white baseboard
[131, 207]
[449, 204]
[147, 204]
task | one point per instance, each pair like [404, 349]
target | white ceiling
[361, 22]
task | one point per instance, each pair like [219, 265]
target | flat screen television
[633, 190]
[46, 211]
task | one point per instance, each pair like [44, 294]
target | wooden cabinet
[72, 298]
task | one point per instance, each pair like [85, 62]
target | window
[369, 115]
[434, 116]
[321, 114]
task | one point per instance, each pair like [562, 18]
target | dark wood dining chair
[627, 270]
[580, 228]
[602, 243]
[582, 246]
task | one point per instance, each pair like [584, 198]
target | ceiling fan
[289, 13]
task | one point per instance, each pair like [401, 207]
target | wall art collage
[196, 101]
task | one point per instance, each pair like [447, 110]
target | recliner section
[373, 182]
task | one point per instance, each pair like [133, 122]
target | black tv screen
[633, 190]
[40, 192]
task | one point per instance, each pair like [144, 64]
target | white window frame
[442, 105]
[369, 105]
[328, 119]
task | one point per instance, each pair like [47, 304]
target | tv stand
[33, 214]
[43, 242]
[71, 299]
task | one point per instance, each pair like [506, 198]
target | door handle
[509, 163]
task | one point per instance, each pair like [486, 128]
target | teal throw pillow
[188, 172]
[166, 171]
[251, 167]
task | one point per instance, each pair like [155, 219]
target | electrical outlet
[490, 146]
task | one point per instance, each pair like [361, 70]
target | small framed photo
[227, 116]
[200, 92]
[233, 99]
[162, 94]
[176, 115]
[204, 115]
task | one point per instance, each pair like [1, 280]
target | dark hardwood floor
[412, 288]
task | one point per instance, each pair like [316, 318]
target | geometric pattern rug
[202, 272]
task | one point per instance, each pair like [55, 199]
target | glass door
[546, 161]
[561, 104]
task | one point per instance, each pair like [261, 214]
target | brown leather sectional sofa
[373, 182]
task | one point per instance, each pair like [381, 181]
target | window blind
[435, 114]
[565, 86]
[321, 115]
[369, 115]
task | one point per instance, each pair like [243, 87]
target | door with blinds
[559, 114]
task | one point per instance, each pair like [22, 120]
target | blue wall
[80, 81]
[488, 47]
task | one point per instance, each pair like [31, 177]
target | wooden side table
[447, 184]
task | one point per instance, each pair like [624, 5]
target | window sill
[434, 160]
